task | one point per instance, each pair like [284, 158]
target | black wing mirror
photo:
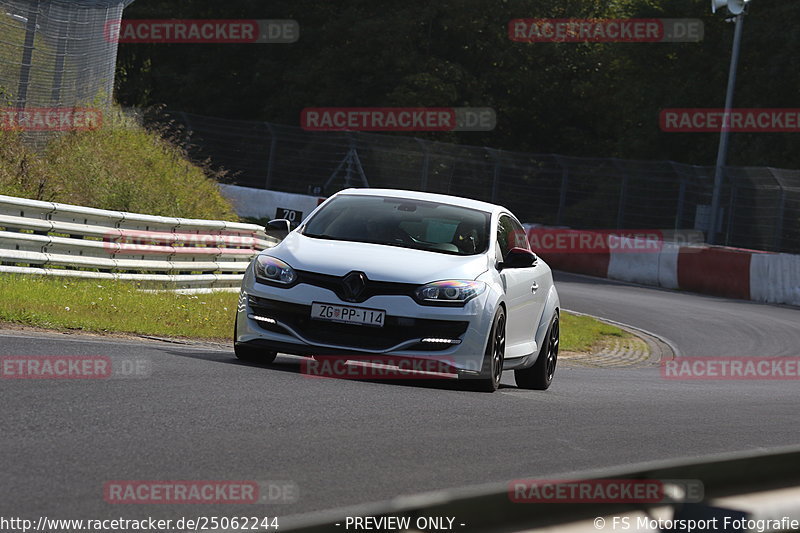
[519, 258]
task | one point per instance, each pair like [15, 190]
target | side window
[518, 238]
[504, 232]
[510, 234]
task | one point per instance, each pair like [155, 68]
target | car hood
[379, 262]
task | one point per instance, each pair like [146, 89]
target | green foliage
[575, 99]
[120, 166]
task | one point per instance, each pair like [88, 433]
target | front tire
[493, 357]
[540, 375]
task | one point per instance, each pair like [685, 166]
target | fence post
[187, 135]
[562, 200]
[423, 181]
[27, 55]
[109, 89]
[271, 162]
[351, 146]
[61, 53]
[622, 194]
[731, 207]
[681, 194]
[495, 173]
[779, 223]
[681, 202]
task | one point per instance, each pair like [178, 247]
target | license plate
[348, 315]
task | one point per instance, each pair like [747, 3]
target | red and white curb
[716, 270]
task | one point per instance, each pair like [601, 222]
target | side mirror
[278, 228]
[519, 258]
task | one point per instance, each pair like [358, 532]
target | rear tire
[251, 354]
[493, 357]
[540, 375]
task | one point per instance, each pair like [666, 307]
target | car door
[525, 288]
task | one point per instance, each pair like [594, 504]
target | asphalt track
[202, 415]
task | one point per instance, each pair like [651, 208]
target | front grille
[372, 288]
[394, 331]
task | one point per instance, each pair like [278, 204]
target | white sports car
[407, 275]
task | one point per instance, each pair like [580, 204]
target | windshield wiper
[321, 236]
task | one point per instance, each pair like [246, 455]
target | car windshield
[402, 222]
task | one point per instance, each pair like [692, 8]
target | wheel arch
[551, 307]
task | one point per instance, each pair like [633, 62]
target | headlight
[274, 270]
[450, 292]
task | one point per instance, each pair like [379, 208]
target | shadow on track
[292, 365]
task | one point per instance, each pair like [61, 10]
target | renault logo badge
[354, 285]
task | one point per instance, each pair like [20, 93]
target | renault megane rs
[406, 275]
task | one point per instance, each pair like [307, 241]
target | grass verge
[583, 333]
[117, 307]
[114, 307]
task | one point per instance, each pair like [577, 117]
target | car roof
[426, 196]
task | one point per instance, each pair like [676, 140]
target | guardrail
[761, 489]
[49, 238]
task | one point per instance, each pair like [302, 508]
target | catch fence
[760, 207]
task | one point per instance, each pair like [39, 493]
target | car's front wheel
[540, 375]
[251, 354]
[493, 358]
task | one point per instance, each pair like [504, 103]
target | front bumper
[279, 319]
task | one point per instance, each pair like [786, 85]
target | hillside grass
[120, 166]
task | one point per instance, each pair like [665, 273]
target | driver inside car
[466, 238]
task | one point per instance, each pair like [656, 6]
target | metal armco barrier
[39, 237]
[751, 486]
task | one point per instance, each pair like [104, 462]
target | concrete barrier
[260, 203]
[716, 270]
[775, 278]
